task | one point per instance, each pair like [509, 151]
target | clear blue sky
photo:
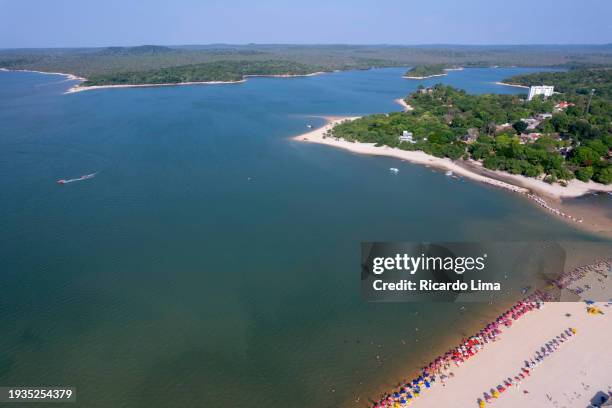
[71, 23]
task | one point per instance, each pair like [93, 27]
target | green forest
[447, 122]
[211, 71]
[88, 62]
[573, 82]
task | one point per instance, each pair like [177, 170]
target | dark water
[212, 260]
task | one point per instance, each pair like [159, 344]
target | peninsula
[543, 149]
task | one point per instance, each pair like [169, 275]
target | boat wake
[82, 178]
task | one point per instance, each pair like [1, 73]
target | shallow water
[213, 260]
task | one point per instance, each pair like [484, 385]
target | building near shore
[544, 90]
[543, 116]
[563, 105]
[407, 137]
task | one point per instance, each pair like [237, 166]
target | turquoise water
[212, 260]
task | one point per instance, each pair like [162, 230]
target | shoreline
[424, 77]
[531, 188]
[512, 85]
[509, 351]
[78, 88]
[70, 77]
[403, 104]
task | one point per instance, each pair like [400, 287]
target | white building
[406, 137]
[543, 116]
[540, 90]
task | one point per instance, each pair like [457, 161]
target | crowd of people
[440, 369]
[529, 366]
[601, 268]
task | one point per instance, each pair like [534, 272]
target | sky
[84, 23]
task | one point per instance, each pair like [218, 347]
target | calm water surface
[212, 260]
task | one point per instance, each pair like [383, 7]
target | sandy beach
[70, 77]
[515, 183]
[537, 353]
[403, 104]
[318, 136]
[513, 85]
[79, 88]
[433, 76]
[547, 196]
[574, 188]
[569, 378]
[424, 77]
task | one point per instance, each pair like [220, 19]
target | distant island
[426, 71]
[218, 71]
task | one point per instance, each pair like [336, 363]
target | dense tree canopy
[577, 81]
[89, 62]
[445, 120]
[211, 71]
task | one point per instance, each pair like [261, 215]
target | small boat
[449, 173]
[83, 177]
[394, 170]
[309, 126]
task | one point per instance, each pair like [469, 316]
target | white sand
[317, 136]
[574, 188]
[285, 75]
[586, 358]
[513, 85]
[70, 77]
[79, 88]
[424, 77]
[402, 102]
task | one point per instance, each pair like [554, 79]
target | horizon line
[604, 44]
